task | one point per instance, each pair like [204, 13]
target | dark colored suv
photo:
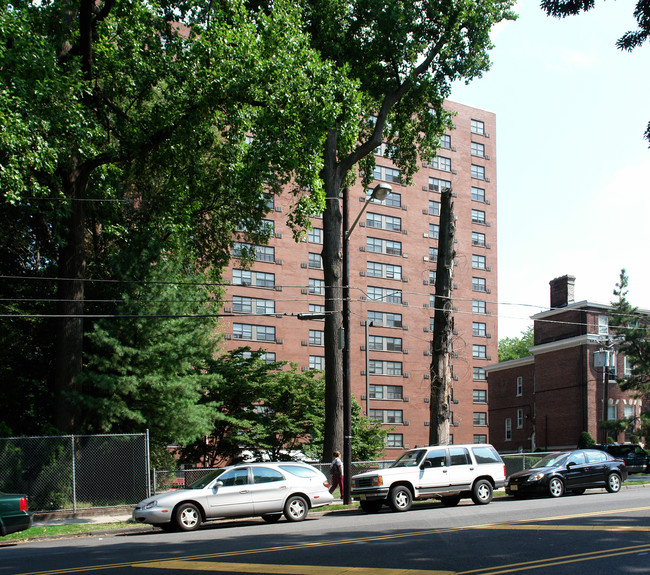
[637, 460]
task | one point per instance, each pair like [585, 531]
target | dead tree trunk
[442, 326]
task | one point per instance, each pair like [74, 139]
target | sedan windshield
[206, 479]
[551, 460]
[410, 459]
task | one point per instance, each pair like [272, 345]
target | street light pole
[379, 192]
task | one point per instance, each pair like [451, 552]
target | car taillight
[326, 484]
[23, 503]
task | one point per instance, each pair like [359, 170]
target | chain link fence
[71, 472]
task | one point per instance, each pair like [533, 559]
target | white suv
[445, 472]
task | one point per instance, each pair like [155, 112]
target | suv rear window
[486, 455]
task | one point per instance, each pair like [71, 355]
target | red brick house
[568, 383]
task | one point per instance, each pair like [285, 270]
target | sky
[573, 169]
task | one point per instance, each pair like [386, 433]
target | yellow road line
[216, 567]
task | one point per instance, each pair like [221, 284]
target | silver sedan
[266, 489]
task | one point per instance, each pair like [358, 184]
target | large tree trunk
[69, 332]
[442, 326]
[332, 267]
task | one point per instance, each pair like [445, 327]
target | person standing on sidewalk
[337, 473]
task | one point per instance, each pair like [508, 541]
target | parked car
[266, 489]
[14, 515]
[445, 472]
[573, 471]
[637, 460]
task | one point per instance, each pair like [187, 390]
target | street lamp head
[380, 192]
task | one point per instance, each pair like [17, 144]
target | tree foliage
[630, 40]
[633, 327]
[516, 347]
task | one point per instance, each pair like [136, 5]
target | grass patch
[62, 530]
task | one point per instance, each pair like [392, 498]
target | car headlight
[535, 477]
[151, 504]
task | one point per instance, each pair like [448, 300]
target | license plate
[513, 488]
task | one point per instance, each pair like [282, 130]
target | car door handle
[244, 491]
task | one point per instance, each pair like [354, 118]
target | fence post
[74, 477]
[148, 464]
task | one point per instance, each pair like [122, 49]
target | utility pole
[443, 324]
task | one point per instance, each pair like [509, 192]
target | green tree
[141, 111]
[146, 367]
[629, 40]
[632, 327]
[586, 440]
[516, 347]
[402, 56]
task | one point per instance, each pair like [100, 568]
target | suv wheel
[400, 498]
[482, 492]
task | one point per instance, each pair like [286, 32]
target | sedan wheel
[613, 483]
[296, 508]
[482, 492]
[556, 487]
[188, 517]
[400, 498]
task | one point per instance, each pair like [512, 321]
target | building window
[478, 172]
[267, 357]
[316, 287]
[316, 308]
[478, 262]
[478, 150]
[479, 306]
[315, 261]
[478, 194]
[316, 362]
[386, 174]
[603, 325]
[395, 440]
[520, 419]
[315, 236]
[445, 142]
[385, 392]
[434, 231]
[478, 374]
[480, 418]
[386, 415]
[478, 239]
[478, 217]
[432, 277]
[441, 163]
[381, 367]
[381, 222]
[627, 367]
[380, 270]
[479, 396]
[249, 278]
[316, 337]
[480, 438]
[434, 208]
[477, 127]
[479, 351]
[433, 254]
[479, 284]
[386, 295]
[479, 329]
[520, 386]
[381, 246]
[253, 332]
[611, 412]
[379, 319]
[383, 343]
[253, 305]
[508, 429]
[437, 185]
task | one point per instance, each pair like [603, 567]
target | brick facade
[565, 393]
[392, 260]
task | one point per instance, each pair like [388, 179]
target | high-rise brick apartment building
[393, 253]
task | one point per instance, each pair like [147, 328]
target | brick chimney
[562, 291]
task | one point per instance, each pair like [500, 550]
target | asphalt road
[597, 532]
